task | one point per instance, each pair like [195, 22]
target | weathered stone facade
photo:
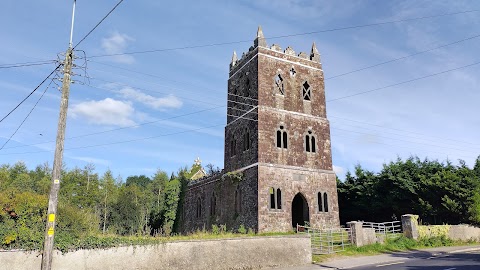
[278, 137]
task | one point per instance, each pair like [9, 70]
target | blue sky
[435, 117]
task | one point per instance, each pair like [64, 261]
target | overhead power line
[429, 137]
[207, 127]
[31, 93]
[122, 128]
[98, 24]
[404, 57]
[348, 135]
[26, 117]
[122, 142]
[408, 141]
[336, 76]
[290, 35]
[404, 82]
[27, 64]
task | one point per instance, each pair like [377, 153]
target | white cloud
[105, 112]
[116, 43]
[169, 101]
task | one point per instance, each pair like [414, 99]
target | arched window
[282, 140]
[199, 208]
[279, 199]
[310, 142]
[275, 198]
[307, 93]
[247, 87]
[279, 138]
[272, 198]
[279, 88]
[313, 144]
[307, 143]
[320, 202]
[213, 205]
[325, 202]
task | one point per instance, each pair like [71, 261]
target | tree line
[89, 204]
[93, 204]
[439, 192]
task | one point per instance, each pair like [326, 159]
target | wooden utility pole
[57, 162]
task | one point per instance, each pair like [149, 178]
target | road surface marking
[450, 268]
[386, 264]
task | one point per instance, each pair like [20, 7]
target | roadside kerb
[347, 263]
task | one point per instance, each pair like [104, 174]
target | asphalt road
[469, 260]
[444, 258]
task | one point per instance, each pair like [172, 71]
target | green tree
[157, 189]
[108, 196]
[139, 180]
[172, 198]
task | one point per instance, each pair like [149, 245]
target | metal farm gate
[389, 229]
[332, 240]
[327, 241]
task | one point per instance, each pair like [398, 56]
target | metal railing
[327, 240]
[390, 229]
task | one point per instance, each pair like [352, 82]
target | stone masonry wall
[242, 97]
[291, 181]
[227, 211]
[271, 63]
[296, 127]
[238, 253]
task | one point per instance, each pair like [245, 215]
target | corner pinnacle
[315, 55]
[234, 59]
[314, 48]
[260, 40]
[260, 32]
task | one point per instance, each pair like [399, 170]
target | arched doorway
[300, 212]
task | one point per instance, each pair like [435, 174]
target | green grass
[392, 245]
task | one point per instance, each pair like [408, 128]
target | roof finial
[198, 161]
[260, 40]
[314, 55]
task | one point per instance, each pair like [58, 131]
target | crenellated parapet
[260, 41]
[208, 178]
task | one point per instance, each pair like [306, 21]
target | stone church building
[278, 160]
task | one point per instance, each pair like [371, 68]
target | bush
[22, 222]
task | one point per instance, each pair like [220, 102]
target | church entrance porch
[300, 211]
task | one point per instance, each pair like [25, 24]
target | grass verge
[393, 245]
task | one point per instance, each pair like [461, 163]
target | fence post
[356, 233]
[410, 226]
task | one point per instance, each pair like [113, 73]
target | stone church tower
[278, 161]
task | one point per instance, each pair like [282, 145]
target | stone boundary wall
[464, 233]
[237, 253]
[461, 232]
[454, 232]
